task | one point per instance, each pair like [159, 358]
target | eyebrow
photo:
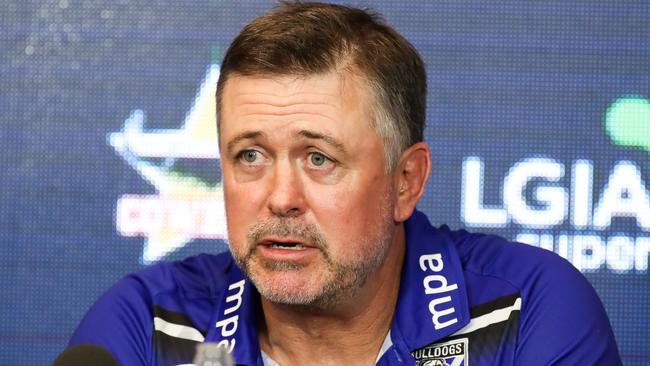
[242, 136]
[324, 137]
[303, 133]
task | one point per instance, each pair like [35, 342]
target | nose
[286, 196]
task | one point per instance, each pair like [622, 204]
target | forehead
[339, 85]
[329, 99]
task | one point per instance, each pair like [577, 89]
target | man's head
[315, 102]
[302, 39]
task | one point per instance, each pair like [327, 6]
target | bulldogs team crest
[452, 353]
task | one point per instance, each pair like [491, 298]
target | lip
[269, 240]
[272, 253]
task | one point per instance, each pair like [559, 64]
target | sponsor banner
[562, 206]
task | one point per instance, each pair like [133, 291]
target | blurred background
[538, 118]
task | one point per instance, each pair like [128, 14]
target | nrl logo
[452, 353]
[186, 206]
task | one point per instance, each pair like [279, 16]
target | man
[321, 118]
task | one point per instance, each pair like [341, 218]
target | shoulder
[171, 284]
[562, 320]
[198, 276]
[537, 274]
[201, 276]
[183, 292]
[529, 269]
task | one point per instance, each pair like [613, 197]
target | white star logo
[185, 207]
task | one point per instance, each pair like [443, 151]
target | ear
[410, 178]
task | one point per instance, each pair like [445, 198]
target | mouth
[289, 246]
[276, 243]
[287, 249]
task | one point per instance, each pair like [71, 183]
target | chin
[288, 287]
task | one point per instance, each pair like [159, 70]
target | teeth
[287, 246]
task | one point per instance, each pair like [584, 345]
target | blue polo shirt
[464, 299]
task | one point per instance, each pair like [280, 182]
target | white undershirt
[268, 361]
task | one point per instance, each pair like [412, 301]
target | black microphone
[84, 355]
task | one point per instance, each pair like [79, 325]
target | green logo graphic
[627, 122]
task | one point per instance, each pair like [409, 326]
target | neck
[351, 333]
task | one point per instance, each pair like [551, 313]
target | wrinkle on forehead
[293, 93]
[293, 84]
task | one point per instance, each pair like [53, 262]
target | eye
[249, 156]
[318, 159]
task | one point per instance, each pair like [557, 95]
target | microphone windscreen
[212, 354]
[85, 354]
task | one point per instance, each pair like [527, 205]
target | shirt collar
[235, 317]
[433, 301]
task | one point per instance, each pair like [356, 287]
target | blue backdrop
[538, 119]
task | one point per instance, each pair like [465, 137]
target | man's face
[308, 200]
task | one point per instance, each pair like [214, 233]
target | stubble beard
[340, 281]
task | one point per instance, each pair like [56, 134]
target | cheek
[241, 209]
[351, 214]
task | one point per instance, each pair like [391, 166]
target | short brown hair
[304, 39]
